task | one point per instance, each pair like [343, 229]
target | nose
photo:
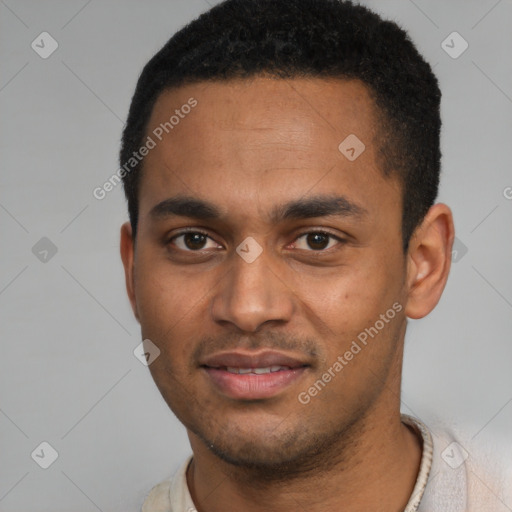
[251, 294]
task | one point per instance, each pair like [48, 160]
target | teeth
[257, 371]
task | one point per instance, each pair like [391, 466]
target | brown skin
[246, 146]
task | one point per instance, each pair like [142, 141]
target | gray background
[68, 375]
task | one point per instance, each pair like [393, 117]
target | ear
[128, 256]
[428, 261]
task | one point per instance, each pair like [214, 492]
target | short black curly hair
[307, 38]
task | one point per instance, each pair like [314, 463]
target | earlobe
[128, 256]
[429, 261]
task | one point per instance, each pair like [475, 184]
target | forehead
[260, 139]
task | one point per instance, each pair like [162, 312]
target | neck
[376, 470]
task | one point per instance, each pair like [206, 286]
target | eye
[196, 241]
[191, 241]
[318, 240]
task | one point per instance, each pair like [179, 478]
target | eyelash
[198, 231]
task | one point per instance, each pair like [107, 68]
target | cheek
[173, 305]
[163, 297]
[360, 329]
[352, 296]
[345, 310]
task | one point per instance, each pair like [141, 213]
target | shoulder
[467, 474]
[171, 495]
[158, 499]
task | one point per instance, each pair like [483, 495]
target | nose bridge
[251, 293]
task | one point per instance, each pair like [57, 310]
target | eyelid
[184, 231]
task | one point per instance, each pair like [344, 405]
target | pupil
[315, 240]
[194, 240]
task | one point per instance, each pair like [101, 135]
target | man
[281, 164]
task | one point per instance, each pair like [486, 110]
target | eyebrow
[304, 208]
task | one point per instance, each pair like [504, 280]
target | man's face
[250, 148]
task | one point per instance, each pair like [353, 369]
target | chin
[270, 455]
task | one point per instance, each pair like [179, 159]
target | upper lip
[263, 359]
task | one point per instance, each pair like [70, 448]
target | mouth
[245, 376]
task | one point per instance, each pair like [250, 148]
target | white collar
[425, 464]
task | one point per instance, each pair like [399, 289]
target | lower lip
[250, 386]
